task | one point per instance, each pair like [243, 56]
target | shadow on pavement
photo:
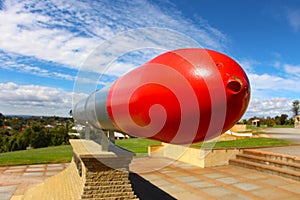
[146, 190]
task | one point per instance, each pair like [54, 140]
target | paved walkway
[178, 180]
[289, 134]
[161, 178]
[289, 150]
[17, 179]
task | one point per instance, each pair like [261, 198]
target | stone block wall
[92, 175]
[104, 182]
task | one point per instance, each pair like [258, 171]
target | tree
[59, 135]
[270, 121]
[40, 139]
[283, 119]
[24, 138]
[1, 119]
[295, 108]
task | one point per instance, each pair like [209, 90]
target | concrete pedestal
[92, 174]
[105, 174]
[197, 156]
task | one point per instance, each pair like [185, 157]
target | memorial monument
[180, 97]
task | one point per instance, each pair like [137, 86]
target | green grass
[137, 145]
[282, 126]
[250, 127]
[140, 146]
[258, 132]
[63, 153]
[243, 143]
[56, 154]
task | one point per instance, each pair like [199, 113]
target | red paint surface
[181, 97]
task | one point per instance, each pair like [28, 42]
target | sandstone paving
[15, 180]
[225, 182]
[160, 178]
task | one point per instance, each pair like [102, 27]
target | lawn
[56, 154]
[140, 146]
[244, 143]
[63, 153]
[250, 127]
[137, 145]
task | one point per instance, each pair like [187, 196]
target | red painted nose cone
[181, 97]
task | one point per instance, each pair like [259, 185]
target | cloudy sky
[44, 44]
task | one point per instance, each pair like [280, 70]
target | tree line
[281, 120]
[20, 133]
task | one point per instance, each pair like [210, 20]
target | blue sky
[44, 44]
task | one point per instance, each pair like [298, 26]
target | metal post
[104, 141]
[87, 132]
[111, 136]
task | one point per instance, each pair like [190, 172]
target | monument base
[92, 174]
[197, 156]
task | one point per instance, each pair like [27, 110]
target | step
[266, 168]
[112, 187]
[273, 155]
[106, 183]
[103, 179]
[106, 189]
[116, 195]
[270, 162]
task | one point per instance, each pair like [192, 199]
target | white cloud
[25, 32]
[248, 64]
[276, 64]
[34, 100]
[269, 107]
[66, 32]
[271, 92]
[293, 18]
[268, 95]
[11, 65]
[292, 70]
[266, 82]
